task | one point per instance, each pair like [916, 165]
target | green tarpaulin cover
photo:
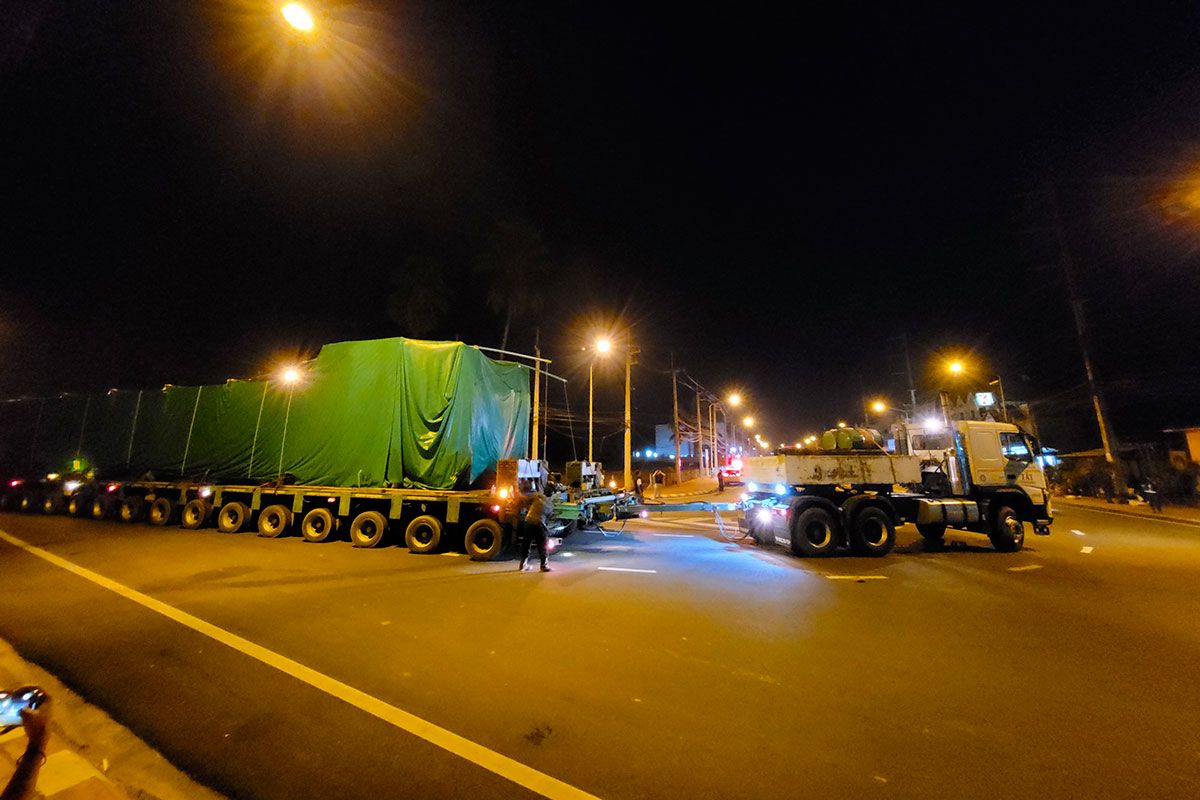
[383, 412]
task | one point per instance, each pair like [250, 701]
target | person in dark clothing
[539, 510]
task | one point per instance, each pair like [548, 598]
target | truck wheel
[52, 504]
[130, 509]
[195, 514]
[1007, 531]
[161, 511]
[932, 532]
[26, 504]
[367, 529]
[101, 506]
[232, 517]
[423, 534]
[318, 525]
[274, 520]
[814, 532]
[484, 540]
[872, 532]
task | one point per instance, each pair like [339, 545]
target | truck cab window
[1014, 447]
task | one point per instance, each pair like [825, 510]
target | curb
[1059, 501]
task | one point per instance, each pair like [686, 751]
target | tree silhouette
[517, 268]
[420, 295]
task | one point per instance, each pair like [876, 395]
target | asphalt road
[720, 670]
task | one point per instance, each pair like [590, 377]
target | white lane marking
[628, 569]
[1167, 521]
[490, 760]
[675, 535]
[1078, 533]
[1086, 550]
[1025, 568]
[857, 577]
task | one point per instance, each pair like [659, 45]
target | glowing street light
[603, 345]
[841, 424]
[955, 367]
[748, 422]
[290, 375]
[735, 399]
[879, 406]
[298, 17]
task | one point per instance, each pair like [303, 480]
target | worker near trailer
[539, 510]
[657, 479]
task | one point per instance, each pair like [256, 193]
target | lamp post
[602, 347]
[291, 376]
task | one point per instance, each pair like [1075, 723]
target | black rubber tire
[872, 532]
[274, 521]
[423, 534]
[367, 529]
[318, 525]
[102, 507]
[1006, 530]
[195, 514]
[161, 511]
[814, 532]
[26, 502]
[130, 509]
[932, 532]
[52, 503]
[78, 505]
[233, 516]
[484, 540]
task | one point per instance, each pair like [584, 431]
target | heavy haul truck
[981, 476]
[422, 440]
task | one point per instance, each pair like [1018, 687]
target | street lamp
[602, 347]
[957, 368]
[879, 406]
[747, 422]
[298, 17]
[735, 400]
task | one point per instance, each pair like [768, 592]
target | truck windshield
[1014, 447]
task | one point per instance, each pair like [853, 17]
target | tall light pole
[291, 376]
[602, 347]
[630, 353]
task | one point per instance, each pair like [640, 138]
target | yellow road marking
[1025, 568]
[490, 760]
[857, 577]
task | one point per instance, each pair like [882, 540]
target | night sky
[771, 197]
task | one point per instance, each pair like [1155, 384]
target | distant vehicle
[731, 473]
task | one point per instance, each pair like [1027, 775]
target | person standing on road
[637, 484]
[657, 480]
[539, 510]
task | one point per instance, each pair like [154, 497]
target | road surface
[664, 662]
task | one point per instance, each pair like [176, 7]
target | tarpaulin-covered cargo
[382, 412]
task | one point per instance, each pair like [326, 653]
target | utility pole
[699, 434]
[1108, 438]
[714, 462]
[630, 353]
[675, 419]
[537, 382]
[912, 391]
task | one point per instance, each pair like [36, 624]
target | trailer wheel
[423, 534]
[161, 511]
[367, 529]
[232, 517]
[274, 520]
[1007, 531]
[872, 532]
[130, 509]
[101, 506]
[318, 525]
[814, 532]
[484, 540]
[26, 503]
[932, 532]
[52, 504]
[195, 514]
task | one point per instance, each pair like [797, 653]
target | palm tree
[517, 266]
[421, 295]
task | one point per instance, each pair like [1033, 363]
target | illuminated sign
[985, 399]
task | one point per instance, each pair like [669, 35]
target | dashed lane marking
[1025, 568]
[857, 577]
[628, 569]
[462, 747]
[1077, 532]
[1086, 550]
[675, 535]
